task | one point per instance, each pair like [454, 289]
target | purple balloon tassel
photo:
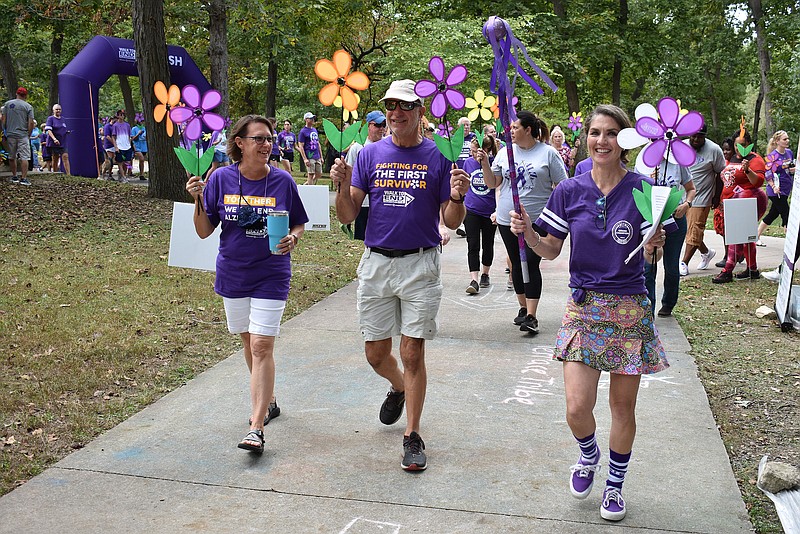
[506, 49]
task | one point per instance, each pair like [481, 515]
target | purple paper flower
[196, 112]
[575, 121]
[442, 87]
[138, 117]
[665, 132]
[443, 130]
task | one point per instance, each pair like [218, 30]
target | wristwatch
[689, 203]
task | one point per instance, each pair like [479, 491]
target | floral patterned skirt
[613, 333]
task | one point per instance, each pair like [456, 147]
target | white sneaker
[705, 259]
[773, 276]
[683, 268]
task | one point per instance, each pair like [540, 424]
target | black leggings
[778, 206]
[533, 289]
[479, 229]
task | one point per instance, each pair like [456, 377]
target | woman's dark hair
[240, 130]
[529, 120]
[489, 144]
[747, 138]
[544, 131]
[730, 142]
[616, 114]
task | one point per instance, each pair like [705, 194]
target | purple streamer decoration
[506, 49]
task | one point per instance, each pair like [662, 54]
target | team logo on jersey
[622, 232]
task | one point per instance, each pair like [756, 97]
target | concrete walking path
[498, 446]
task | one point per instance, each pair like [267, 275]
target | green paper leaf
[188, 159]
[672, 202]
[479, 138]
[361, 138]
[349, 135]
[744, 150]
[444, 147]
[498, 127]
[457, 141]
[205, 161]
[338, 139]
[642, 201]
[333, 134]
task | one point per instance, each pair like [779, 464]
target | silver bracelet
[537, 242]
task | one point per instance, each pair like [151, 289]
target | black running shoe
[484, 280]
[529, 324]
[392, 407]
[472, 288]
[752, 274]
[413, 456]
[521, 314]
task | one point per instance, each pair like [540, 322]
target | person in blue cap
[376, 122]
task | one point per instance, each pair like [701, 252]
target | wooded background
[723, 58]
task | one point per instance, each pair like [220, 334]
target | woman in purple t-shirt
[253, 281]
[608, 325]
[780, 178]
[479, 223]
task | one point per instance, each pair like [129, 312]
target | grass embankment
[96, 325]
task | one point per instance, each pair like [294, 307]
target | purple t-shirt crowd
[406, 188]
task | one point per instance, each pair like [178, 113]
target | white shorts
[256, 316]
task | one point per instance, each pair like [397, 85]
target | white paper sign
[186, 249]
[741, 220]
[316, 201]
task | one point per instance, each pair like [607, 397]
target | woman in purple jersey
[479, 223]
[253, 281]
[608, 325]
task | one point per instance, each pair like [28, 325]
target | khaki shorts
[696, 225]
[19, 146]
[314, 166]
[399, 295]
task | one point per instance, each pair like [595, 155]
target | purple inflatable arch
[80, 81]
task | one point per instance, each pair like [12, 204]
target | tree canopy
[708, 54]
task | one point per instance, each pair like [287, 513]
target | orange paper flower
[343, 82]
[168, 100]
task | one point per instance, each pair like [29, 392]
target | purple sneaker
[582, 479]
[613, 507]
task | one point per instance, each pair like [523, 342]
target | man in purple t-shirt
[308, 146]
[409, 184]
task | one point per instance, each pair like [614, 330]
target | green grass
[96, 325]
[751, 374]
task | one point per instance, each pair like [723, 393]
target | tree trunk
[249, 98]
[616, 75]
[167, 177]
[127, 98]
[757, 118]
[8, 73]
[570, 85]
[272, 87]
[55, 61]
[218, 51]
[763, 63]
